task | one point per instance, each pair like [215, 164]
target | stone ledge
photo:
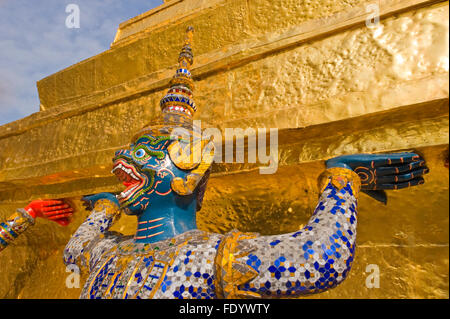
[160, 16]
[404, 128]
[400, 99]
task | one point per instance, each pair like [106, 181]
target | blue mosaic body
[119, 267]
[315, 258]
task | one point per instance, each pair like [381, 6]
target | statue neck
[160, 222]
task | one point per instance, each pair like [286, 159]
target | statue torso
[181, 267]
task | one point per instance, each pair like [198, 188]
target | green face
[146, 171]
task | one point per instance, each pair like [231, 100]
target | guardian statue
[165, 171]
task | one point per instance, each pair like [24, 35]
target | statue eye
[140, 153]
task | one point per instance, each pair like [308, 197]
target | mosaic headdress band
[178, 103]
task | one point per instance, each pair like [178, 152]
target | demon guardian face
[161, 170]
[146, 171]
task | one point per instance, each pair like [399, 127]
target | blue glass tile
[275, 242]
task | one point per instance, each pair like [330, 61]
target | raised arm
[92, 238]
[23, 218]
[319, 256]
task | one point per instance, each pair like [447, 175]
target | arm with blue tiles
[319, 256]
[54, 210]
[92, 238]
[13, 227]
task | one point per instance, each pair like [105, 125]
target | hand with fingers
[90, 200]
[379, 172]
[56, 210]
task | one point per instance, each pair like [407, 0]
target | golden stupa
[328, 77]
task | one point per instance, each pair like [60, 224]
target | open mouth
[129, 177]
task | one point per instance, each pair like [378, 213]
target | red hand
[55, 210]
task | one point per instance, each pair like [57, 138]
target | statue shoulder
[230, 271]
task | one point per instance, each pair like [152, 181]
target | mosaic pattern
[15, 225]
[314, 259]
[92, 239]
[231, 272]
[201, 265]
[182, 267]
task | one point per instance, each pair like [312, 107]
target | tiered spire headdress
[178, 108]
[178, 102]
